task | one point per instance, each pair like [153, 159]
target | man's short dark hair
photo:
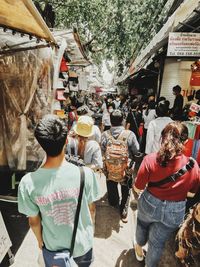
[161, 98]
[51, 134]
[162, 109]
[116, 118]
[177, 88]
[82, 110]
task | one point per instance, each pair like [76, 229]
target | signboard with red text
[183, 44]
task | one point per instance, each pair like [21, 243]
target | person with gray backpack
[119, 146]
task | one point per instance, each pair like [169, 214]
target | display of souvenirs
[63, 66]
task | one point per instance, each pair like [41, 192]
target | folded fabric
[191, 130]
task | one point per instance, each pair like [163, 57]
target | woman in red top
[161, 208]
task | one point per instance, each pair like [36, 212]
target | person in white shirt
[117, 102]
[148, 115]
[106, 124]
[156, 126]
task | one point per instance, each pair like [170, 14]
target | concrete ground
[112, 240]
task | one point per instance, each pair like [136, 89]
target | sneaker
[124, 215]
[124, 218]
[139, 252]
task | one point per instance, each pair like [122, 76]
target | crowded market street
[112, 240]
[100, 133]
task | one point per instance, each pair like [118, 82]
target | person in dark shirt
[134, 119]
[177, 109]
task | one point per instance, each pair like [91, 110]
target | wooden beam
[35, 13]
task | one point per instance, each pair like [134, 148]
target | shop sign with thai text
[183, 44]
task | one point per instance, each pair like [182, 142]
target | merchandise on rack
[193, 144]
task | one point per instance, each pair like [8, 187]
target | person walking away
[67, 102]
[177, 108]
[134, 120]
[84, 110]
[156, 126]
[148, 114]
[117, 102]
[49, 196]
[119, 134]
[163, 181]
[88, 150]
[124, 105]
[106, 124]
[72, 117]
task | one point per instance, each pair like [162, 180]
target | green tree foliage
[112, 29]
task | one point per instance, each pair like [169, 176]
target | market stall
[26, 78]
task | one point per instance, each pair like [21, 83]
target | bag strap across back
[82, 182]
[175, 176]
[135, 122]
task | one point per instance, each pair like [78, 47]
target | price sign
[5, 242]
[195, 108]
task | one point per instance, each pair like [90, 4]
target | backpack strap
[109, 135]
[124, 135]
[175, 176]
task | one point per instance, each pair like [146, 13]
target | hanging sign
[183, 44]
[195, 108]
[5, 242]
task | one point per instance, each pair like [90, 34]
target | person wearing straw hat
[84, 110]
[88, 150]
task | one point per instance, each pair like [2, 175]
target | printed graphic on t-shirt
[56, 206]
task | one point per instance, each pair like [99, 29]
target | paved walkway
[112, 241]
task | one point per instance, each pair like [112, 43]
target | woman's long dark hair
[173, 137]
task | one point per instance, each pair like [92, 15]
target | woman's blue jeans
[156, 221]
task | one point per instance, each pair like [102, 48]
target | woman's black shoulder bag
[175, 176]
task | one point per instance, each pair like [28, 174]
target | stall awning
[74, 48]
[183, 14]
[22, 16]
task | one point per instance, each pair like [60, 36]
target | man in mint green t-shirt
[49, 196]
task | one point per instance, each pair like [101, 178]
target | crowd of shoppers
[131, 127]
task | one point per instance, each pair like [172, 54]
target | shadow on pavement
[17, 227]
[128, 259]
[107, 219]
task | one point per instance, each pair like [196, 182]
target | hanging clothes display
[192, 147]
